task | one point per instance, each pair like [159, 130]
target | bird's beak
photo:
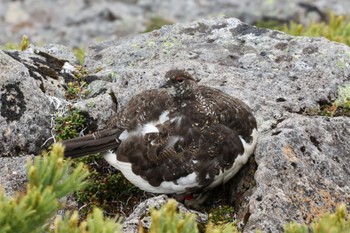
[165, 85]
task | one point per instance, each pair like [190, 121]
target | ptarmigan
[182, 138]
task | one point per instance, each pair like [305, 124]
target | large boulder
[302, 159]
[31, 90]
[303, 171]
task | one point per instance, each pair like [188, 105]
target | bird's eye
[180, 79]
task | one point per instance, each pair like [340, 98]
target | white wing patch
[163, 117]
[150, 127]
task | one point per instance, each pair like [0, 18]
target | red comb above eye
[180, 78]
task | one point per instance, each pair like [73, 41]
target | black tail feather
[93, 143]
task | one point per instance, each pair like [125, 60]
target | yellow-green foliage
[221, 214]
[270, 24]
[343, 99]
[168, 219]
[337, 28]
[15, 46]
[76, 89]
[70, 125]
[49, 178]
[156, 23]
[341, 106]
[79, 53]
[94, 223]
[24, 43]
[223, 228]
[295, 227]
[51, 172]
[338, 222]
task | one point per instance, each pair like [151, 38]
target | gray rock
[72, 23]
[31, 84]
[281, 77]
[141, 214]
[13, 174]
[98, 105]
[25, 110]
[303, 172]
[61, 52]
[276, 74]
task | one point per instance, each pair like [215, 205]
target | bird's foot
[193, 200]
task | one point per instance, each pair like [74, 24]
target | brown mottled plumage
[181, 138]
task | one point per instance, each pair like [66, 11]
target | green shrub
[15, 46]
[167, 219]
[343, 99]
[338, 222]
[79, 53]
[336, 28]
[69, 125]
[76, 90]
[156, 23]
[49, 179]
[94, 223]
[341, 105]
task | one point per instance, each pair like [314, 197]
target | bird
[179, 139]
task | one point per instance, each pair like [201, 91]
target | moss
[156, 23]
[94, 223]
[222, 214]
[23, 45]
[168, 219]
[343, 99]
[335, 28]
[90, 104]
[107, 189]
[224, 228]
[270, 24]
[79, 53]
[77, 89]
[10, 46]
[339, 107]
[69, 125]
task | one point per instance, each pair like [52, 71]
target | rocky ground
[302, 157]
[80, 22]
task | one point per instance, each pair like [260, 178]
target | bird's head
[180, 84]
